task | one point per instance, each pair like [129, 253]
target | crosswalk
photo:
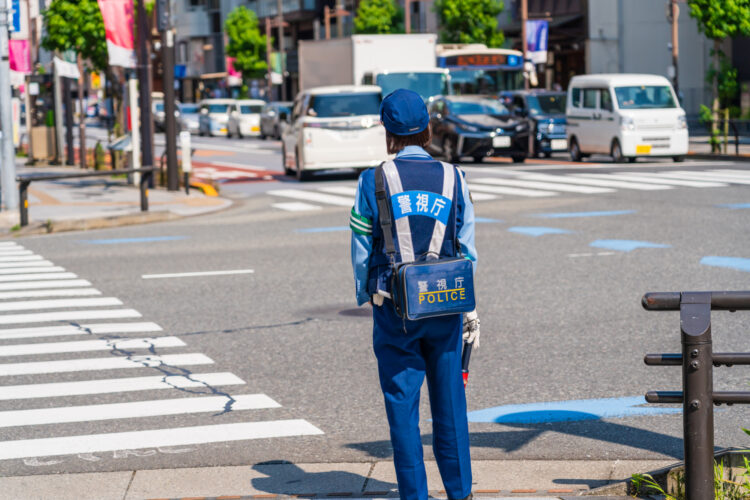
[522, 184]
[52, 312]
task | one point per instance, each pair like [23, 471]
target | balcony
[269, 8]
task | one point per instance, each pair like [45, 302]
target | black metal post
[186, 175]
[167, 58]
[144, 88]
[70, 160]
[697, 383]
[23, 205]
[144, 190]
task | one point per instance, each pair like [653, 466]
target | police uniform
[407, 351]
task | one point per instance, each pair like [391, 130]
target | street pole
[524, 18]
[407, 16]
[70, 157]
[268, 59]
[59, 155]
[167, 58]
[327, 18]
[135, 135]
[8, 156]
[144, 87]
[280, 20]
[675, 46]
[339, 23]
[82, 116]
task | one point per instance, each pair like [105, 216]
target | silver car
[214, 116]
[273, 119]
[189, 117]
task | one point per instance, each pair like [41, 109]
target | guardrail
[739, 128]
[25, 179]
[697, 361]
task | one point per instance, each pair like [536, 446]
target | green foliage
[376, 17]
[727, 486]
[470, 21]
[246, 44]
[76, 25]
[719, 19]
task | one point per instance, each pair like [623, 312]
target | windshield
[424, 84]
[552, 104]
[645, 97]
[477, 108]
[484, 82]
[334, 105]
[189, 109]
[218, 108]
[249, 109]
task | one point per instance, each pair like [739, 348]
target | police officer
[408, 351]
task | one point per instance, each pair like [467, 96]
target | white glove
[471, 328]
[377, 299]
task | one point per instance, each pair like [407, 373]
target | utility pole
[339, 23]
[675, 13]
[82, 116]
[144, 87]
[407, 16]
[8, 154]
[524, 18]
[282, 50]
[68, 122]
[268, 59]
[167, 58]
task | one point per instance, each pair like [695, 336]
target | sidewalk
[493, 479]
[700, 147]
[96, 202]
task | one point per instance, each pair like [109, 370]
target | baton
[465, 358]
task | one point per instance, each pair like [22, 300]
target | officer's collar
[413, 151]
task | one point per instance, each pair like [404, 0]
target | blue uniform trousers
[407, 351]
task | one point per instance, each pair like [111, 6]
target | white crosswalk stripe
[709, 176]
[551, 186]
[577, 179]
[654, 178]
[483, 188]
[32, 284]
[304, 195]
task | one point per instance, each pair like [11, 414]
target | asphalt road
[561, 320]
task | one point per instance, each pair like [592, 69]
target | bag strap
[384, 213]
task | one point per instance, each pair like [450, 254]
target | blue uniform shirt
[365, 213]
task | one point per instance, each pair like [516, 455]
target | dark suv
[545, 110]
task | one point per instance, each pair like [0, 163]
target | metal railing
[735, 129]
[25, 179]
[697, 361]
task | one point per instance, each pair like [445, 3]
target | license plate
[223, 130]
[255, 129]
[558, 144]
[643, 149]
[350, 135]
[502, 141]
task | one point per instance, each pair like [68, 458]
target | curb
[719, 157]
[94, 223]
[483, 494]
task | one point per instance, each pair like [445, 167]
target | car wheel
[678, 159]
[449, 150]
[477, 159]
[239, 134]
[575, 150]
[302, 175]
[229, 133]
[518, 158]
[287, 171]
[276, 133]
[631, 159]
[616, 152]
[547, 154]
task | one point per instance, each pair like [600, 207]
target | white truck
[389, 61]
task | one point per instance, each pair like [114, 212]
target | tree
[76, 25]
[470, 21]
[718, 20]
[375, 17]
[246, 44]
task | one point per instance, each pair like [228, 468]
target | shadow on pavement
[288, 478]
[514, 440]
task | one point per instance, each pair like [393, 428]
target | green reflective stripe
[360, 231]
[359, 227]
[368, 227]
[360, 218]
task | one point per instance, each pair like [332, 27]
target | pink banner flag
[20, 56]
[118, 24]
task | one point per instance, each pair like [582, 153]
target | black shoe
[470, 497]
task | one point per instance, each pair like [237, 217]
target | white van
[334, 127]
[625, 116]
[244, 118]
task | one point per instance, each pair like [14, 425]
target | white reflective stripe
[438, 231]
[403, 229]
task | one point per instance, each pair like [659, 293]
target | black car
[545, 111]
[477, 127]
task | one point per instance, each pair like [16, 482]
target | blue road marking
[145, 239]
[731, 262]
[734, 206]
[537, 230]
[570, 411]
[568, 215]
[485, 220]
[625, 245]
[331, 229]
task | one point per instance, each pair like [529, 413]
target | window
[477, 108]
[249, 109]
[644, 97]
[547, 104]
[576, 98]
[337, 105]
[589, 98]
[605, 100]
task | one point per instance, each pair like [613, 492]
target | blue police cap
[403, 112]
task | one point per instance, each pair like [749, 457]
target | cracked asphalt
[557, 324]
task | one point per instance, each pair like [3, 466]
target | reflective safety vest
[424, 196]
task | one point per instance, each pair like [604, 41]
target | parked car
[334, 127]
[244, 118]
[273, 118]
[214, 115]
[625, 116]
[160, 115]
[476, 126]
[545, 111]
[189, 117]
